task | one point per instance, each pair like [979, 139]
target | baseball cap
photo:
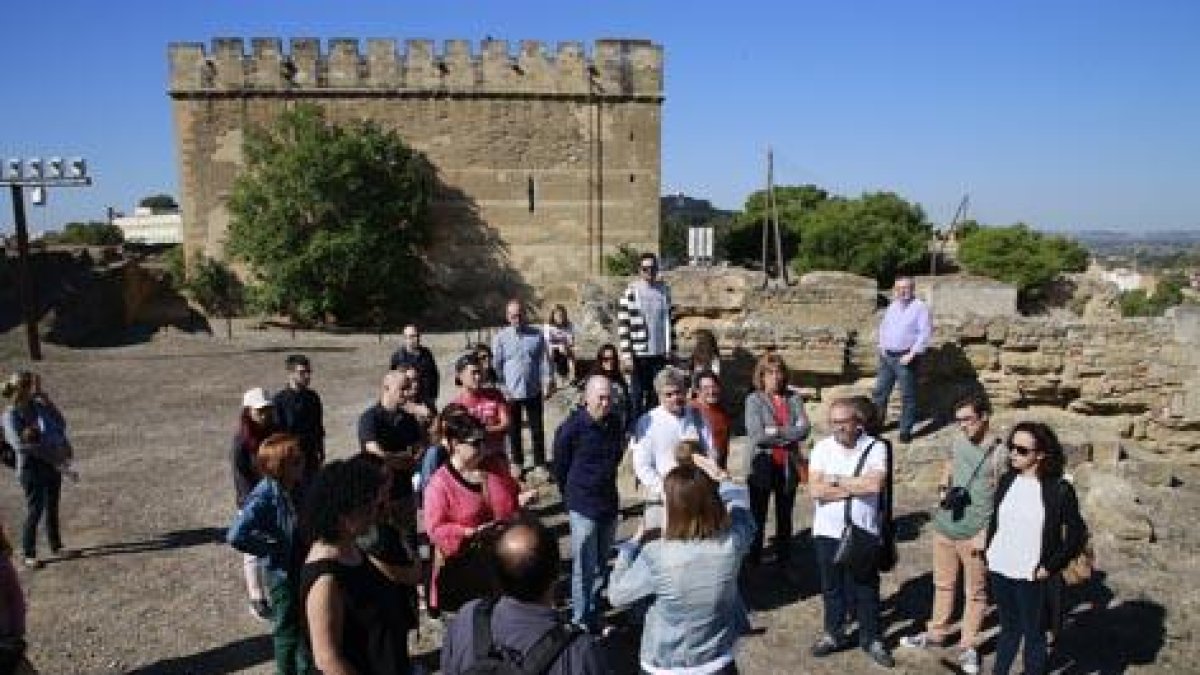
[256, 399]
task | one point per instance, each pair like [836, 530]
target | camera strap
[982, 461]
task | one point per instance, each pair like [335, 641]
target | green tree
[159, 202]
[1020, 256]
[622, 262]
[1168, 292]
[743, 243]
[91, 233]
[878, 235]
[216, 289]
[332, 219]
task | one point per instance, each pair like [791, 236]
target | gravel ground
[157, 591]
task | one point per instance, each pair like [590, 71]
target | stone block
[1111, 505]
[968, 296]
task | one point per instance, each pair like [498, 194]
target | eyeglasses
[1021, 450]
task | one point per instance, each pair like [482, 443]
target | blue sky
[1064, 114]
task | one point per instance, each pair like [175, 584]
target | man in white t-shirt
[834, 477]
[658, 432]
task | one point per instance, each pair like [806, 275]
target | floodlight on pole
[19, 174]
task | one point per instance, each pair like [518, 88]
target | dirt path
[157, 591]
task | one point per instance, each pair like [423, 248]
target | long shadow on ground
[235, 656]
[171, 540]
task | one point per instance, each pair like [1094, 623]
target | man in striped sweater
[645, 333]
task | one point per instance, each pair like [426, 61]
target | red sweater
[452, 505]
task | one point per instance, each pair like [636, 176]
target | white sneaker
[918, 641]
[968, 661]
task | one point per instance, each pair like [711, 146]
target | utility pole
[19, 175]
[771, 229]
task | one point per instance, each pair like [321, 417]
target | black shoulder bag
[857, 548]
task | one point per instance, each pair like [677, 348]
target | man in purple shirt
[903, 336]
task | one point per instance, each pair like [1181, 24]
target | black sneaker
[879, 654]
[826, 645]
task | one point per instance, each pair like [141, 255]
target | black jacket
[1063, 531]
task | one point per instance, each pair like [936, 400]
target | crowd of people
[433, 513]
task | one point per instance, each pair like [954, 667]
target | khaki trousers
[948, 555]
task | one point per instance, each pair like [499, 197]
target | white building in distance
[149, 226]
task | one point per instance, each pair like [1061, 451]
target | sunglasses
[1021, 450]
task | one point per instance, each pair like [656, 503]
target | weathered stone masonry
[547, 161]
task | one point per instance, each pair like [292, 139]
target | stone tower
[546, 161]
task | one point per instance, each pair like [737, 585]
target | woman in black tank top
[357, 619]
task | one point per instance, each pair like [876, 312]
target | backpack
[493, 660]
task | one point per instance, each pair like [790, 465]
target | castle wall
[547, 162]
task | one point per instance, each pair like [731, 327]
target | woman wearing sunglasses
[1035, 531]
[464, 503]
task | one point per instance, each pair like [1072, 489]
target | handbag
[857, 548]
[1080, 569]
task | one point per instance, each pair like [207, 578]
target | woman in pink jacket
[464, 502]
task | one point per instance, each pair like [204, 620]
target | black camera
[956, 500]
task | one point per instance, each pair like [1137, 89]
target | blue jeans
[892, 371]
[1020, 603]
[840, 589]
[590, 541]
[43, 486]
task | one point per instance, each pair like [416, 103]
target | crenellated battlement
[616, 68]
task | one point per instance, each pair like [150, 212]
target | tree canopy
[332, 219]
[159, 202]
[1018, 255]
[92, 233]
[877, 235]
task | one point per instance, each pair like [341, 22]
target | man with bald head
[390, 435]
[522, 360]
[587, 450]
[522, 627]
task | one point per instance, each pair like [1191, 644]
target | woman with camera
[36, 430]
[969, 476]
[1035, 531]
[464, 502]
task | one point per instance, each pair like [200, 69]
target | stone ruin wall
[581, 132]
[1140, 377]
